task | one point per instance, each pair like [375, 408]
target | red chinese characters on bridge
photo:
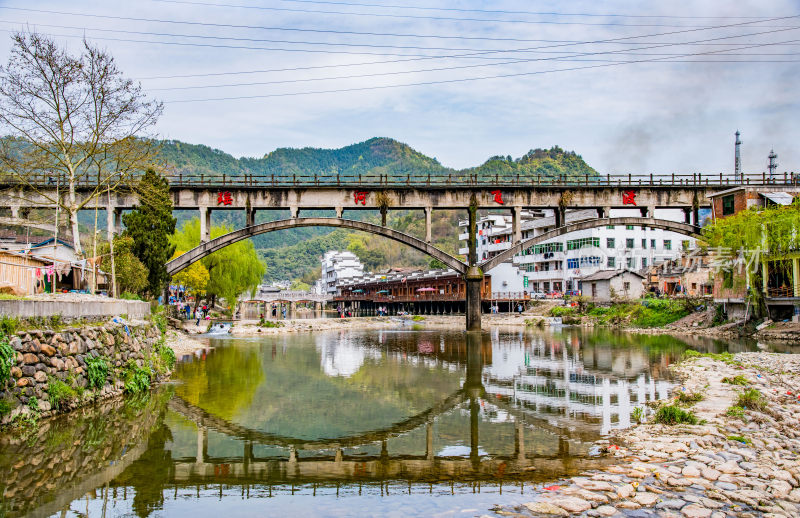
[629, 198]
[224, 198]
[498, 197]
[360, 197]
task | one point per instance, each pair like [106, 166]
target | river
[391, 422]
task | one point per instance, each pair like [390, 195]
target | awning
[781, 198]
[383, 291]
[357, 291]
[426, 289]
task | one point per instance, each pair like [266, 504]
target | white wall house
[338, 266]
[558, 264]
[606, 285]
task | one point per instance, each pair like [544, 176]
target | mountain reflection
[345, 408]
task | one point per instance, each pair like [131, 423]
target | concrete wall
[73, 310]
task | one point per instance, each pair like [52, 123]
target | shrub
[8, 357]
[719, 316]
[97, 372]
[752, 399]
[736, 380]
[672, 414]
[137, 379]
[159, 318]
[659, 312]
[560, 311]
[8, 325]
[59, 393]
[638, 414]
[127, 295]
[689, 397]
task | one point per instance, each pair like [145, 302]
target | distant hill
[375, 156]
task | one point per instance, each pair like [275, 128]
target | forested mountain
[291, 254]
[374, 156]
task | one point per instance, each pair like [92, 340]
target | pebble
[545, 508]
[672, 503]
[606, 510]
[645, 499]
[695, 511]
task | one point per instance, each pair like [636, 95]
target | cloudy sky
[631, 86]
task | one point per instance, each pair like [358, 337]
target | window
[610, 227]
[652, 243]
[572, 264]
[727, 205]
[685, 244]
[612, 262]
[626, 286]
[590, 261]
[630, 262]
[577, 244]
[610, 242]
[548, 247]
[628, 227]
[644, 243]
[644, 262]
[667, 244]
[629, 243]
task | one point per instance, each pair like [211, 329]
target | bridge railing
[444, 180]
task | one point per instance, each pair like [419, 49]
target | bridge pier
[516, 229]
[250, 217]
[113, 221]
[474, 276]
[428, 213]
[205, 224]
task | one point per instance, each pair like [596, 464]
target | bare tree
[74, 121]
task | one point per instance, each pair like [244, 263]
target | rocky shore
[740, 461]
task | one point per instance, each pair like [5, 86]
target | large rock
[30, 359]
[696, 511]
[545, 508]
[570, 503]
[48, 350]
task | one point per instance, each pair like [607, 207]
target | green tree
[193, 278]
[131, 272]
[232, 270]
[150, 225]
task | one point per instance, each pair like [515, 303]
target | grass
[59, 393]
[736, 380]
[270, 323]
[672, 415]
[690, 397]
[739, 438]
[725, 357]
[649, 313]
[735, 411]
[752, 399]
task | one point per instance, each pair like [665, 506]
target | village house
[609, 285]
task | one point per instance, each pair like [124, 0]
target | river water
[393, 422]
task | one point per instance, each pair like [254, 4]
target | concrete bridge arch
[206, 248]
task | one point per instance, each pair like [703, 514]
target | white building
[337, 266]
[558, 264]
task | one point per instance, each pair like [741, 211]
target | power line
[332, 31]
[414, 17]
[501, 11]
[452, 81]
[626, 52]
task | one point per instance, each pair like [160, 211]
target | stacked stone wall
[44, 355]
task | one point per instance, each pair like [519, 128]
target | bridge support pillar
[516, 227]
[474, 280]
[687, 215]
[603, 212]
[250, 217]
[339, 212]
[15, 211]
[428, 213]
[113, 221]
[647, 212]
[429, 440]
[560, 216]
[202, 444]
[205, 224]
[294, 212]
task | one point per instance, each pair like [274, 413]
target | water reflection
[297, 416]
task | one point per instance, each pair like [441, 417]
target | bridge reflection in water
[421, 409]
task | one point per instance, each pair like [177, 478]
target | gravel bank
[726, 466]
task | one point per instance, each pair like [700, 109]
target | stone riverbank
[49, 362]
[738, 461]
